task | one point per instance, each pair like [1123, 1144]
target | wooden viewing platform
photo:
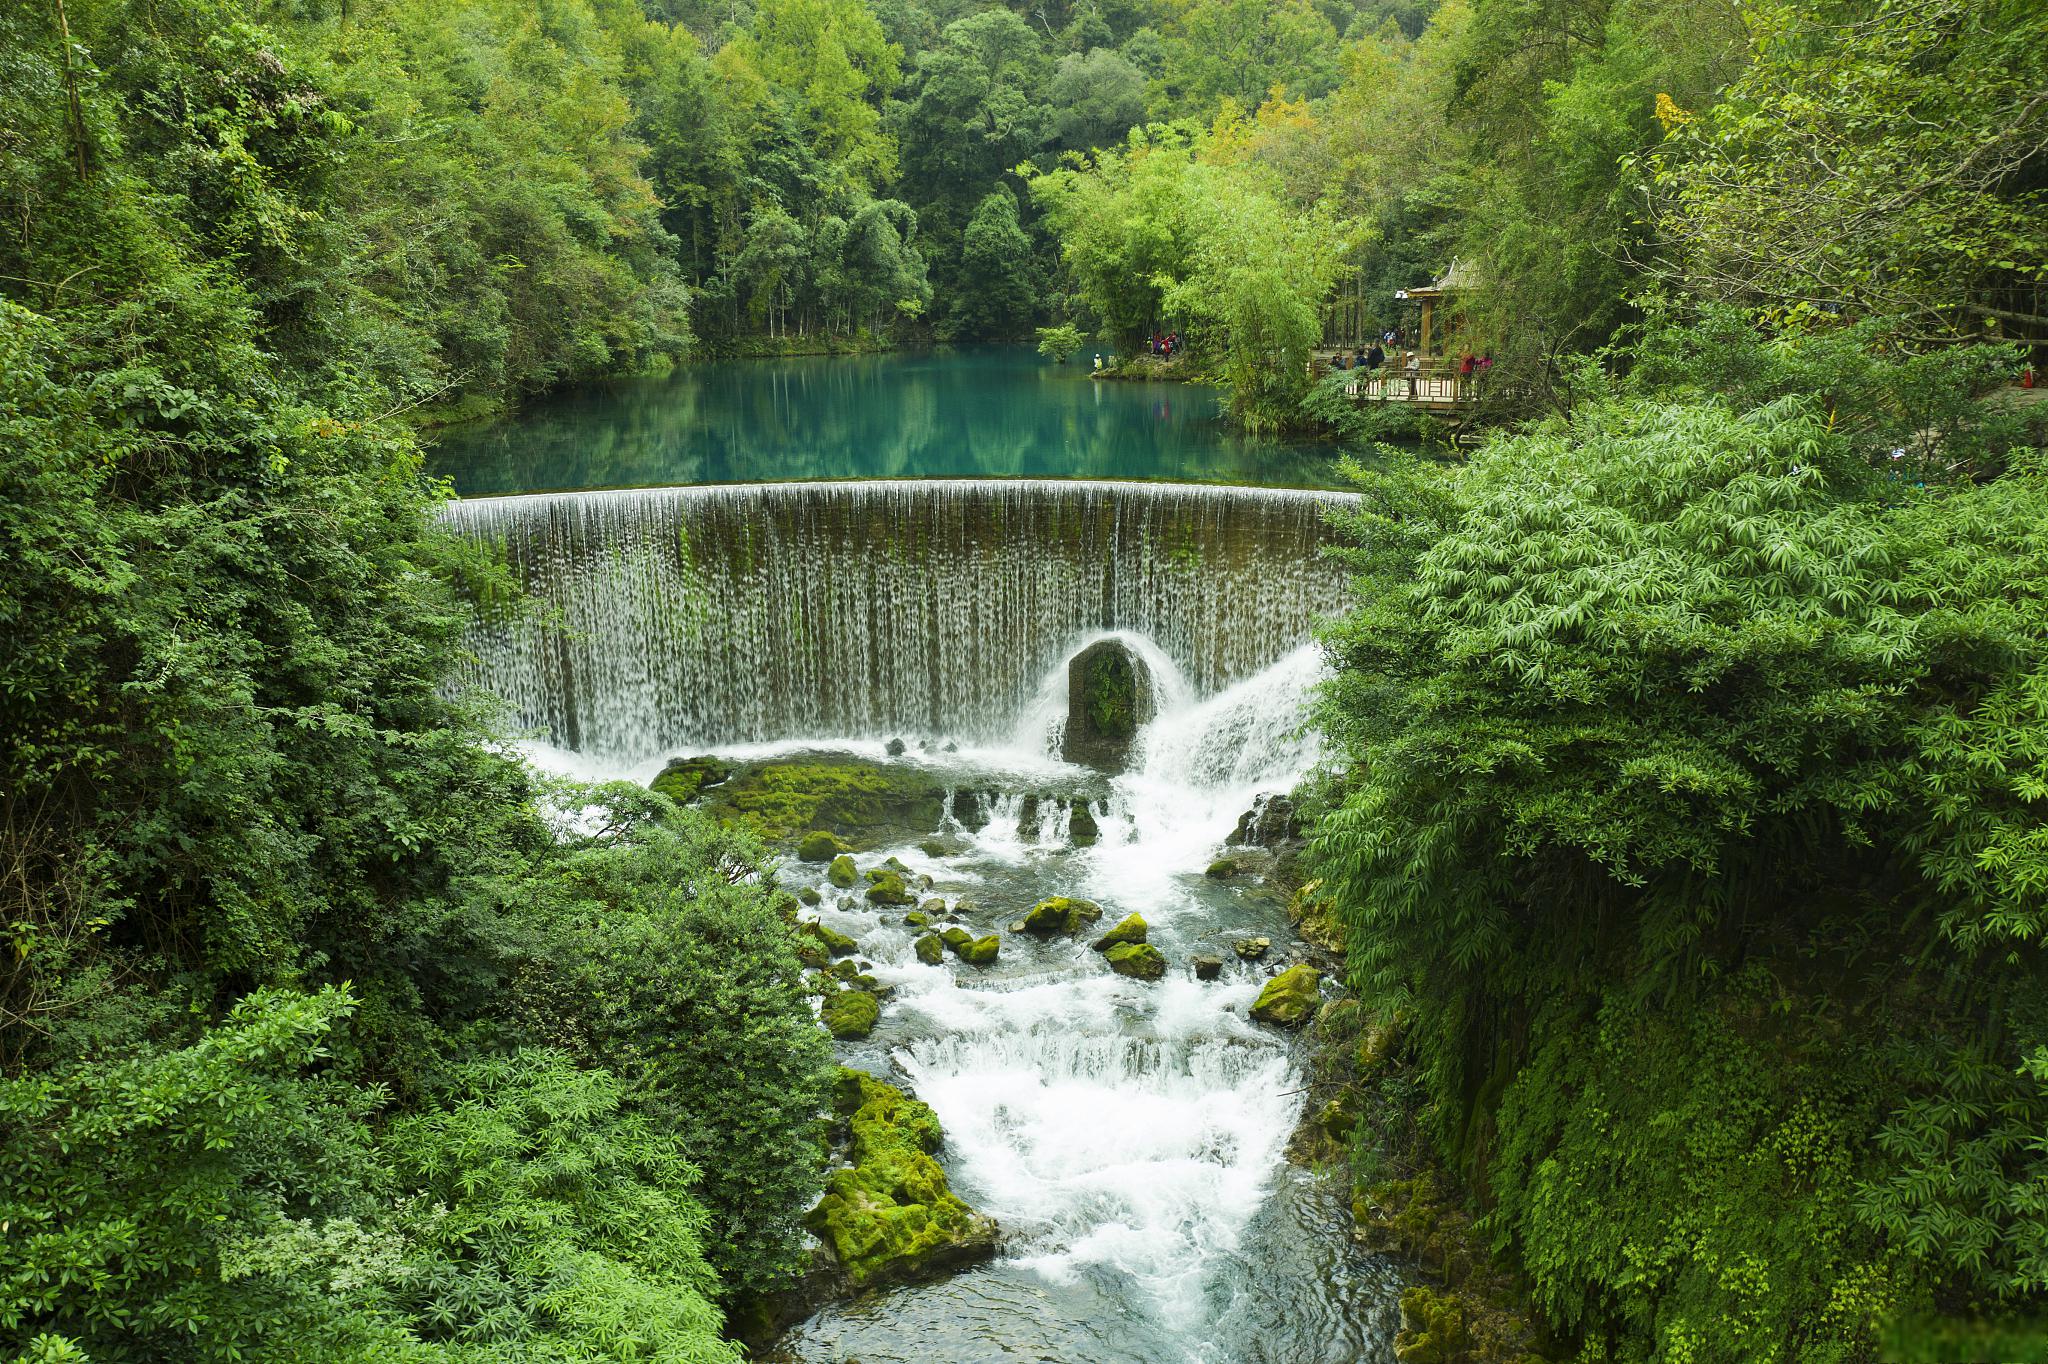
[1432, 388]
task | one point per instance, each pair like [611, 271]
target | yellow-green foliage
[891, 1208]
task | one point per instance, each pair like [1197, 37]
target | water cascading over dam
[682, 617]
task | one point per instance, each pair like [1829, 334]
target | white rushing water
[1127, 1135]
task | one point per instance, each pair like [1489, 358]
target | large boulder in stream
[889, 1215]
[1061, 915]
[1290, 998]
[1131, 930]
[850, 1014]
[820, 845]
[842, 873]
[886, 887]
[1140, 961]
[1109, 695]
[684, 779]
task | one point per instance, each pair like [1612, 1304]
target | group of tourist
[1165, 345]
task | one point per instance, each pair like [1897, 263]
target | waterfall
[694, 617]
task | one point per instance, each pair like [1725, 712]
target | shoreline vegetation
[1685, 822]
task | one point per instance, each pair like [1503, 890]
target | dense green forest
[1693, 734]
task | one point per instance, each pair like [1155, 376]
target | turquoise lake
[995, 412]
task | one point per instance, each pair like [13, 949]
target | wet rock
[1208, 967]
[922, 882]
[1223, 868]
[1270, 823]
[842, 873]
[889, 1216]
[930, 948]
[1061, 915]
[1082, 830]
[867, 803]
[917, 919]
[1432, 1328]
[895, 748]
[886, 888]
[844, 969]
[1109, 695]
[944, 845]
[1131, 930]
[1290, 998]
[956, 938]
[981, 951]
[820, 846]
[965, 906]
[809, 896]
[895, 864]
[834, 942]
[1140, 961]
[935, 906]
[1251, 949]
[871, 986]
[850, 1014]
[685, 778]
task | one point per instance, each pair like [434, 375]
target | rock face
[1109, 694]
[850, 1014]
[1140, 961]
[1270, 823]
[1131, 930]
[889, 1216]
[1061, 915]
[820, 846]
[1290, 998]
[842, 873]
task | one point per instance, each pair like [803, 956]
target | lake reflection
[999, 412]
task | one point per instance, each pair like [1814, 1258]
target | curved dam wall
[694, 617]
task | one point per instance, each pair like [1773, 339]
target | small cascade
[694, 617]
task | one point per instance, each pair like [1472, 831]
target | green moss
[931, 948]
[956, 937]
[834, 942]
[887, 888]
[1140, 961]
[845, 796]
[890, 1215]
[1131, 930]
[1290, 998]
[981, 951]
[1432, 1328]
[809, 896]
[850, 1013]
[820, 846]
[1061, 915]
[685, 778]
[842, 873]
[1223, 868]
[1111, 694]
[1082, 830]
[917, 918]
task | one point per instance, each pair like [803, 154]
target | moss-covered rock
[1140, 961]
[842, 873]
[809, 896]
[1082, 830]
[850, 1014]
[931, 948]
[934, 907]
[1131, 930]
[1432, 1328]
[956, 938]
[1061, 915]
[862, 801]
[1223, 868]
[917, 918]
[819, 845]
[1290, 998]
[1251, 949]
[889, 1215]
[834, 942]
[981, 951]
[684, 779]
[886, 887]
